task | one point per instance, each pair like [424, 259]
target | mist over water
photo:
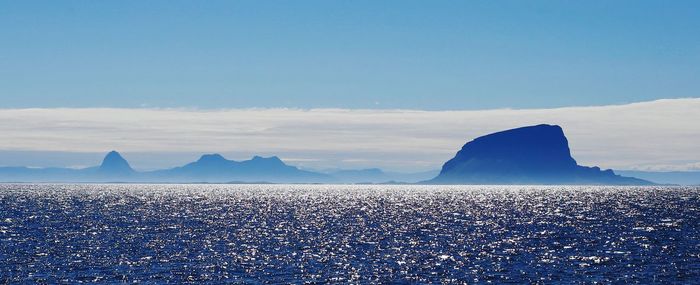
[264, 234]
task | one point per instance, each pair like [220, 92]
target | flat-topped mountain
[216, 168]
[528, 155]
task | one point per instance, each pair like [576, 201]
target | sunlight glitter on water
[342, 233]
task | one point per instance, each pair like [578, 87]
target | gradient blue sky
[177, 79]
[431, 55]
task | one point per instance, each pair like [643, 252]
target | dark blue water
[264, 234]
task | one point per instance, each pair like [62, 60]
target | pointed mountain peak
[113, 156]
[115, 163]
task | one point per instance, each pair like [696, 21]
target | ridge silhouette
[537, 154]
[528, 155]
[115, 164]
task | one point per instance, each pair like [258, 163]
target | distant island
[528, 155]
[210, 168]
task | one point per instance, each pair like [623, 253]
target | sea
[357, 234]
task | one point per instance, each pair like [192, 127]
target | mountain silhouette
[216, 168]
[115, 165]
[529, 155]
[212, 168]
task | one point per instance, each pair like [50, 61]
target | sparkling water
[267, 234]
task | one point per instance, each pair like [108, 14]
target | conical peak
[115, 163]
[113, 157]
[113, 154]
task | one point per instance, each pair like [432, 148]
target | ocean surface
[270, 234]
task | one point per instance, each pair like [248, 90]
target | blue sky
[429, 55]
[164, 81]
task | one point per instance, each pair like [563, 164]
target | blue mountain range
[212, 168]
[528, 155]
[215, 168]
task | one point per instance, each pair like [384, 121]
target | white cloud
[648, 135]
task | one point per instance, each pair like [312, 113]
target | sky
[656, 135]
[217, 61]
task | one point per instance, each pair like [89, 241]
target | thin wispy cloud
[660, 135]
